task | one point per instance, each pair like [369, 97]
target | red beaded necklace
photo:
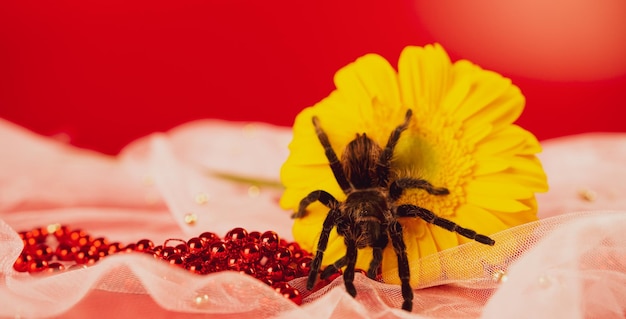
[264, 256]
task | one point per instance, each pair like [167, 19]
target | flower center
[430, 150]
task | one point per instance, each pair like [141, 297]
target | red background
[106, 72]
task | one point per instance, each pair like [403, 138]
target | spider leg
[331, 269]
[377, 256]
[335, 165]
[396, 189]
[348, 274]
[329, 223]
[404, 272]
[382, 169]
[425, 214]
[319, 195]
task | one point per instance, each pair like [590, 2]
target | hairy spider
[369, 215]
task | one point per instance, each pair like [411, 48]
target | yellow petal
[528, 165]
[511, 140]
[304, 183]
[486, 89]
[534, 181]
[458, 91]
[306, 230]
[341, 127]
[501, 112]
[367, 81]
[490, 165]
[424, 76]
[443, 238]
[499, 204]
[518, 218]
[499, 189]
[305, 148]
[475, 134]
[478, 219]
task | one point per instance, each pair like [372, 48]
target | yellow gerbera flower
[460, 137]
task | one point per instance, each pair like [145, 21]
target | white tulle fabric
[570, 264]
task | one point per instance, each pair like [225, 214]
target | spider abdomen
[359, 162]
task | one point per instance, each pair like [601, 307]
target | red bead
[65, 251]
[216, 266]
[39, 234]
[29, 241]
[144, 244]
[209, 237]
[282, 242]
[76, 235]
[263, 261]
[298, 254]
[55, 267]
[296, 251]
[218, 250]
[303, 266]
[289, 273]
[86, 256]
[129, 248]
[176, 259]
[23, 235]
[291, 294]
[233, 263]
[321, 283]
[251, 252]
[280, 285]
[265, 280]
[248, 270]
[21, 264]
[254, 236]
[168, 251]
[183, 248]
[113, 248]
[269, 240]
[37, 265]
[196, 266]
[83, 241]
[236, 236]
[282, 255]
[62, 233]
[42, 251]
[99, 244]
[275, 271]
[293, 247]
[195, 245]
[156, 250]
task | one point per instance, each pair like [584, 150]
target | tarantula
[369, 215]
